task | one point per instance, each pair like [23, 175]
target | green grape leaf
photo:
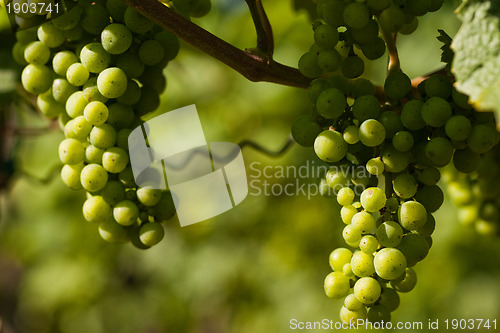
[447, 54]
[308, 5]
[476, 64]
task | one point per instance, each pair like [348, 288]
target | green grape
[75, 105]
[362, 264]
[361, 87]
[364, 180]
[169, 42]
[316, 87]
[439, 151]
[379, 314]
[151, 234]
[326, 36]
[412, 215]
[406, 282]
[126, 213]
[332, 12]
[438, 86]
[91, 92]
[389, 263]
[368, 244]
[351, 236]
[389, 234]
[458, 128]
[77, 74]
[115, 159]
[148, 196]
[405, 186]
[363, 222]
[112, 82]
[331, 103]
[49, 35]
[18, 53]
[151, 52]
[132, 95]
[94, 57]
[308, 65]
[26, 36]
[36, 53]
[392, 204]
[461, 100]
[348, 316]
[371, 133]
[48, 106]
[375, 166]
[352, 67]
[374, 49]
[93, 177]
[351, 303]
[410, 27]
[130, 64]
[69, 19]
[366, 34]
[120, 116]
[347, 212]
[93, 154]
[330, 146]
[392, 18]
[414, 247]
[149, 101]
[70, 175]
[165, 208]
[340, 82]
[136, 22]
[62, 89]
[113, 192]
[435, 5]
[116, 9]
[62, 60]
[482, 138]
[428, 228]
[113, 232]
[436, 111]
[36, 79]
[373, 199]
[103, 136]
[378, 4]
[338, 178]
[411, 115]
[77, 128]
[367, 290]
[466, 161]
[96, 113]
[351, 134]
[339, 257]
[356, 15]
[153, 76]
[95, 18]
[345, 196]
[397, 84]
[394, 160]
[336, 285]
[366, 107]
[418, 7]
[389, 298]
[71, 151]
[329, 60]
[96, 210]
[305, 129]
[403, 141]
[431, 197]
[116, 38]
[391, 122]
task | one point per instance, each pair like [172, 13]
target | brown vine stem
[390, 40]
[254, 67]
[265, 40]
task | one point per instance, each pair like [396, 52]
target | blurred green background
[251, 269]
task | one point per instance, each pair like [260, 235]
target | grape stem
[265, 40]
[254, 67]
[390, 40]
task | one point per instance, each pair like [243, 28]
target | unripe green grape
[93, 177]
[49, 35]
[371, 133]
[112, 82]
[132, 95]
[366, 34]
[338, 178]
[410, 27]
[368, 244]
[438, 86]
[392, 204]
[77, 74]
[18, 53]
[116, 9]
[62, 60]
[466, 161]
[36, 53]
[351, 134]
[428, 228]
[165, 208]
[390, 263]
[397, 85]
[113, 232]
[412, 215]
[76, 34]
[461, 100]
[390, 299]
[345, 196]
[113, 192]
[403, 141]
[62, 89]
[431, 197]
[378, 4]
[330, 146]
[405, 186]
[356, 15]
[94, 19]
[305, 129]
[91, 92]
[429, 176]
[316, 87]
[406, 282]
[417, 7]
[340, 82]
[458, 128]
[379, 314]
[326, 36]
[70, 175]
[367, 290]
[151, 234]
[308, 65]
[375, 166]
[151, 52]
[336, 285]
[363, 179]
[136, 22]
[115, 159]
[363, 222]
[351, 236]
[116, 38]
[77, 128]
[94, 57]
[373, 199]
[103, 136]
[96, 113]
[331, 103]
[332, 12]
[391, 122]
[96, 210]
[352, 67]
[436, 111]
[36, 79]
[440, 151]
[71, 151]
[126, 213]
[348, 316]
[339, 257]
[48, 106]
[69, 19]
[26, 36]
[374, 49]
[93, 154]
[392, 19]
[361, 87]
[435, 5]
[366, 107]
[414, 247]
[75, 105]
[482, 138]
[347, 212]
[352, 303]
[130, 64]
[411, 115]
[329, 60]
[394, 160]
[149, 101]
[389, 234]
[362, 264]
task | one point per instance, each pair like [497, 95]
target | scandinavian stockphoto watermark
[170, 152]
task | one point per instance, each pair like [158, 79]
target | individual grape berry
[115, 160]
[94, 19]
[351, 236]
[71, 151]
[151, 52]
[96, 113]
[406, 282]
[366, 34]
[126, 213]
[412, 215]
[48, 106]
[356, 15]
[62, 60]
[389, 234]
[151, 234]
[331, 103]
[394, 160]
[69, 19]
[352, 67]
[116, 38]
[391, 122]
[405, 185]
[389, 263]
[374, 49]
[361, 87]
[337, 178]
[112, 82]
[366, 107]
[36, 79]
[368, 244]
[345, 196]
[466, 160]
[305, 129]
[91, 91]
[96, 210]
[411, 115]
[49, 35]
[347, 212]
[390, 299]
[329, 60]
[336, 285]
[136, 22]
[326, 36]
[77, 128]
[367, 290]
[371, 133]
[70, 175]
[461, 100]
[414, 247]
[131, 64]
[37, 53]
[62, 89]
[403, 141]
[429, 176]
[93, 154]
[75, 105]
[482, 138]
[351, 134]
[332, 12]
[438, 86]
[375, 166]
[431, 197]
[379, 314]
[362, 264]
[330, 146]
[373, 199]
[397, 85]
[392, 18]
[308, 65]
[363, 222]
[93, 177]
[316, 87]
[378, 4]
[132, 95]
[113, 232]
[348, 316]
[392, 204]
[339, 257]
[439, 150]
[103, 136]
[352, 303]
[436, 111]
[410, 27]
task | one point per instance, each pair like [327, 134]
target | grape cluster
[397, 141]
[99, 69]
